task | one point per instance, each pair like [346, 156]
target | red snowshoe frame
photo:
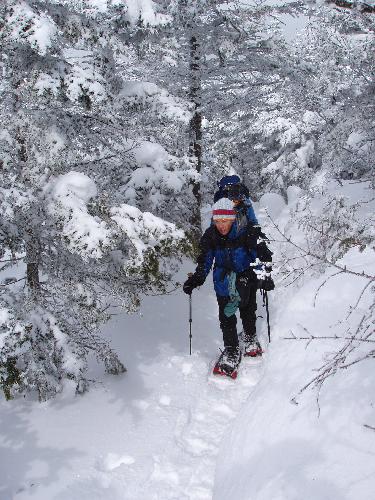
[218, 371]
[253, 352]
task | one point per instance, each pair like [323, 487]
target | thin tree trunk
[196, 127]
[32, 261]
[32, 244]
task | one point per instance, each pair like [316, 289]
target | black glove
[266, 284]
[264, 254]
[191, 283]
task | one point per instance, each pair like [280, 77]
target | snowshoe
[252, 347]
[228, 362]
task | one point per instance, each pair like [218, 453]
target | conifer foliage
[75, 163]
[117, 117]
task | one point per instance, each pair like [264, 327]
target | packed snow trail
[153, 433]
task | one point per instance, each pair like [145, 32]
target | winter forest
[117, 120]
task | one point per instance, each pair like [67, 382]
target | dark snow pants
[248, 316]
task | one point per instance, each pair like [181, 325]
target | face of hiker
[223, 225]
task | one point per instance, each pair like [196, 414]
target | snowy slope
[153, 433]
[167, 429]
[292, 445]
[282, 451]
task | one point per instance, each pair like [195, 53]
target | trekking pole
[268, 316]
[190, 319]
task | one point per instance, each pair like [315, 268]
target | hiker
[232, 250]
[230, 186]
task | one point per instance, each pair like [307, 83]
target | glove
[266, 284]
[264, 254]
[190, 284]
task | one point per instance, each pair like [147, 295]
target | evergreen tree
[322, 126]
[72, 145]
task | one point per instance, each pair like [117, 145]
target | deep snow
[153, 433]
[287, 443]
[168, 429]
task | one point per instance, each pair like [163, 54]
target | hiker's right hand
[264, 254]
[189, 285]
[266, 284]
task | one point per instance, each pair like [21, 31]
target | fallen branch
[329, 337]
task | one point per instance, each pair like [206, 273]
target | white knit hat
[223, 209]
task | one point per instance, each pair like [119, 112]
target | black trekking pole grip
[268, 317]
[190, 319]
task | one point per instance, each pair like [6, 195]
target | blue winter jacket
[233, 252]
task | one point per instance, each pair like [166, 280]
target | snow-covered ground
[153, 433]
[168, 429]
[289, 446]
[288, 443]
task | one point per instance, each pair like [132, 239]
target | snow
[277, 449]
[55, 140]
[81, 73]
[145, 10]
[359, 141]
[304, 153]
[84, 73]
[98, 5]
[156, 171]
[153, 433]
[161, 102]
[48, 83]
[38, 29]
[67, 197]
[143, 229]
[273, 203]
[169, 430]
[74, 186]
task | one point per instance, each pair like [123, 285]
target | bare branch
[359, 298]
[13, 259]
[362, 7]
[11, 282]
[324, 282]
[338, 360]
[320, 258]
[328, 337]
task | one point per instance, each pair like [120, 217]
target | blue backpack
[230, 186]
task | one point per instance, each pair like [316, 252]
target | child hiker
[232, 250]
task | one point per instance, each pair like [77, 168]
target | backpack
[230, 186]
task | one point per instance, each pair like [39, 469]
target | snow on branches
[75, 148]
[67, 197]
[31, 26]
[144, 230]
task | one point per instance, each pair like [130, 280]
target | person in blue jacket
[232, 249]
[230, 186]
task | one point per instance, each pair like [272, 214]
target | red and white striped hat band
[223, 209]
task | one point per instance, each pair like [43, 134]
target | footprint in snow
[141, 404]
[165, 400]
[113, 461]
[165, 472]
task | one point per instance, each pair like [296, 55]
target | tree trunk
[32, 244]
[196, 128]
[32, 261]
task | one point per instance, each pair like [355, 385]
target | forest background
[117, 119]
